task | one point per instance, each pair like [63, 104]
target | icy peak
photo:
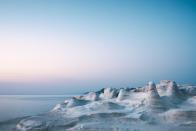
[108, 93]
[151, 84]
[152, 91]
[172, 89]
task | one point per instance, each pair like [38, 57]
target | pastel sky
[73, 46]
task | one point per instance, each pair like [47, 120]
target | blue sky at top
[78, 45]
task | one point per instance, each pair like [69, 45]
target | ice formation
[165, 106]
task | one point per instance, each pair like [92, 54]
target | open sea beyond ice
[15, 106]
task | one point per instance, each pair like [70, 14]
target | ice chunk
[32, 123]
[92, 96]
[152, 91]
[121, 94]
[172, 89]
[109, 93]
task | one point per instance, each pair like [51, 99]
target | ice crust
[153, 106]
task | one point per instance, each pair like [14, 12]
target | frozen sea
[15, 106]
[164, 106]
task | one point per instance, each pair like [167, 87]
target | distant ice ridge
[165, 106]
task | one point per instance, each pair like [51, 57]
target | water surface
[13, 106]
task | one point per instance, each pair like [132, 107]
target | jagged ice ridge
[165, 106]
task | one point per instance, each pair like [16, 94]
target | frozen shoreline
[165, 106]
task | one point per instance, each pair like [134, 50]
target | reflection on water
[13, 106]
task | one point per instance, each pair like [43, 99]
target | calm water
[13, 106]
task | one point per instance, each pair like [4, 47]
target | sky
[73, 46]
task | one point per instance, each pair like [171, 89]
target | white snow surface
[165, 106]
